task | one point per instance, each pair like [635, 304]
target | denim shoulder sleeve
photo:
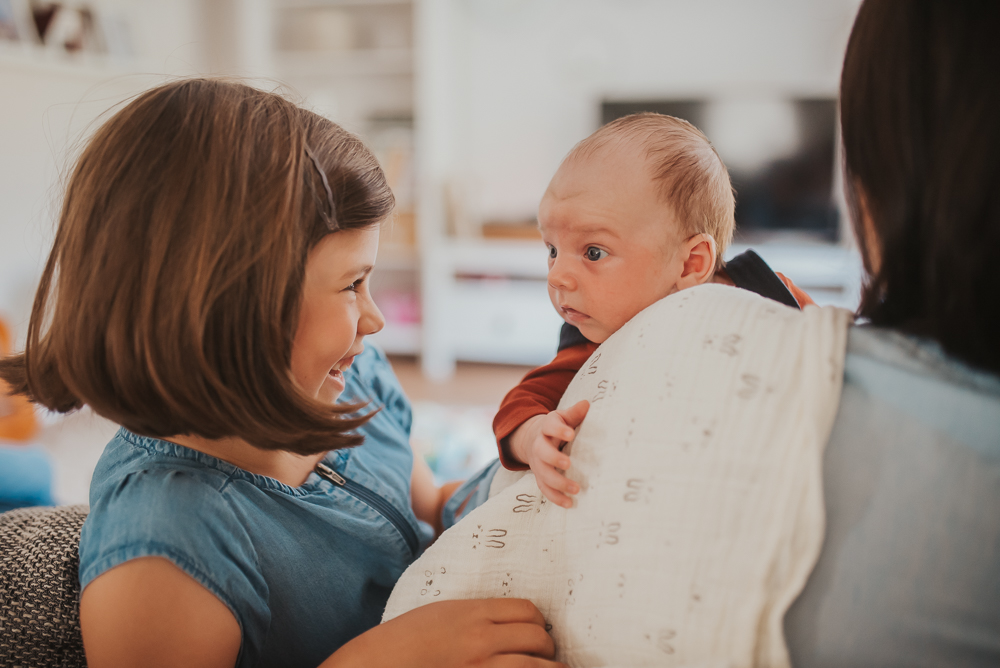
[187, 518]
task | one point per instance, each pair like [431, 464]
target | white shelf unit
[486, 301]
[356, 63]
[353, 62]
[25, 57]
[311, 4]
[504, 315]
[830, 274]
[501, 120]
[52, 100]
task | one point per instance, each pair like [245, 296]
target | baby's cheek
[552, 297]
[596, 331]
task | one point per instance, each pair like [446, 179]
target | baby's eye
[594, 253]
[552, 252]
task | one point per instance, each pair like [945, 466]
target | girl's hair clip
[331, 219]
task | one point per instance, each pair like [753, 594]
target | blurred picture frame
[67, 26]
[16, 24]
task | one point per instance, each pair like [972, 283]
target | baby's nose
[560, 278]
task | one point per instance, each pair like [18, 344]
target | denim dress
[303, 569]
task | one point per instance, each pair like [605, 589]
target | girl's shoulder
[153, 498]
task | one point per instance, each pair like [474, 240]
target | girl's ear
[699, 254]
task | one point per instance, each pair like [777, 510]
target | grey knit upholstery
[39, 589]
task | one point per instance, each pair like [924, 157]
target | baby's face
[612, 242]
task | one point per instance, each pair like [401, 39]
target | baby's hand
[538, 444]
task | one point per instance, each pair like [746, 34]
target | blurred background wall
[470, 105]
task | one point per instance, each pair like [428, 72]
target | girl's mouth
[337, 372]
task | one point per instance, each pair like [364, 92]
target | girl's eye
[552, 252]
[353, 287]
[594, 253]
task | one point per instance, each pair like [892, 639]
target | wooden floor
[472, 384]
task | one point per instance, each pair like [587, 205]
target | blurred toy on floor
[455, 440]
[25, 470]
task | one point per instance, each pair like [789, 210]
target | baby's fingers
[555, 496]
[574, 415]
[555, 486]
[556, 429]
[549, 455]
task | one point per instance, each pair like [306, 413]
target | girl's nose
[371, 319]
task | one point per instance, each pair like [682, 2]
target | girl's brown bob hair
[171, 296]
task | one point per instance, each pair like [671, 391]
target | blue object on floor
[25, 477]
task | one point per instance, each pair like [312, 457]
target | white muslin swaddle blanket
[700, 514]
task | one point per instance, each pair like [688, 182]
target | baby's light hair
[692, 179]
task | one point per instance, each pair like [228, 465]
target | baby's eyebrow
[597, 229]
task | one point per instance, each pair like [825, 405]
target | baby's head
[640, 209]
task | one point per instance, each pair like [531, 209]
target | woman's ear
[872, 244]
[699, 254]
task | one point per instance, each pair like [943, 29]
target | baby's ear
[699, 253]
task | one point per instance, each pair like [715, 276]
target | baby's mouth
[572, 314]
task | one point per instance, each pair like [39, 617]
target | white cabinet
[503, 320]
[486, 301]
[830, 274]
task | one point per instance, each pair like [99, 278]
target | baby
[637, 211]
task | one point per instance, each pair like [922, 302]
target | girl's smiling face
[336, 312]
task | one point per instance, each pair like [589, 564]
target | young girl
[207, 290]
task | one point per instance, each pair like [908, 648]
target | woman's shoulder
[915, 377]
[910, 481]
[917, 356]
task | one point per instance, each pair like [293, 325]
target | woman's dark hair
[920, 113]
[171, 296]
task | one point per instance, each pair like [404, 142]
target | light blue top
[909, 574]
[303, 569]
